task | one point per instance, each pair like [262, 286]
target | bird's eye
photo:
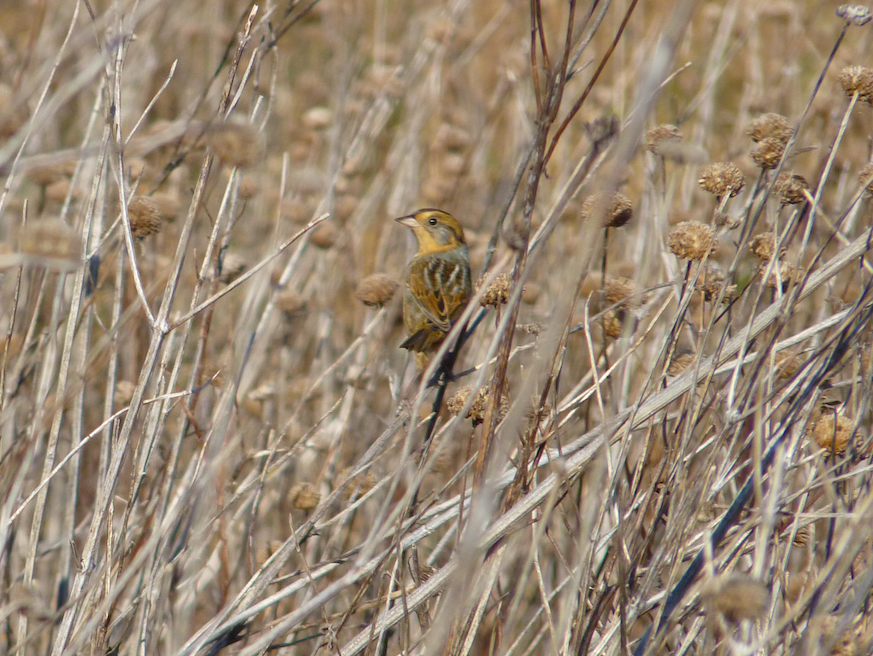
[432, 220]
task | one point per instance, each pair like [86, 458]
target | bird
[438, 283]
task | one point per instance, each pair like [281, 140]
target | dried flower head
[236, 144]
[722, 179]
[832, 432]
[768, 153]
[763, 246]
[612, 212]
[854, 14]
[144, 215]
[865, 177]
[304, 496]
[769, 126]
[786, 364]
[790, 187]
[376, 290]
[782, 275]
[50, 238]
[325, 235]
[680, 363]
[498, 292]
[290, 302]
[363, 483]
[661, 134]
[618, 290]
[857, 79]
[535, 328]
[477, 410]
[711, 281]
[737, 597]
[691, 240]
[613, 323]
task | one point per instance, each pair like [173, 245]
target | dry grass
[211, 442]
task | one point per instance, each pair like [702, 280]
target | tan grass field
[209, 444]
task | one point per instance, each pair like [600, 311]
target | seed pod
[497, 293]
[145, 217]
[722, 179]
[661, 135]
[770, 126]
[376, 290]
[691, 240]
[768, 153]
[790, 187]
[612, 212]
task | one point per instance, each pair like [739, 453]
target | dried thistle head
[832, 432]
[769, 126]
[497, 293]
[612, 211]
[660, 135]
[325, 235]
[376, 290]
[854, 14]
[722, 179]
[790, 187]
[680, 362]
[290, 302]
[857, 79]
[865, 177]
[782, 275]
[613, 323]
[763, 246]
[304, 496]
[768, 153]
[711, 281]
[476, 413]
[145, 217]
[619, 290]
[50, 238]
[691, 240]
[236, 144]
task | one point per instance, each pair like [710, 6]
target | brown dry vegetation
[212, 445]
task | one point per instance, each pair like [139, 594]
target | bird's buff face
[434, 230]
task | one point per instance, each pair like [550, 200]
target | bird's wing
[441, 287]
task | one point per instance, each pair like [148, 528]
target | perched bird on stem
[438, 283]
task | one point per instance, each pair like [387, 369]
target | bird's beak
[408, 221]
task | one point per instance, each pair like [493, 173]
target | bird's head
[436, 231]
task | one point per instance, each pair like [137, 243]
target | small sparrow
[438, 283]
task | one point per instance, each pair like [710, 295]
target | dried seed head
[857, 79]
[236, 144]
[304, 496]
[787, 363]
[854, 14]
[722, 179]
[46, 175]
[145, 217]
[290, 302]
[612, 323]
[769, 126]
[660, 135]
[532, 328]
[50, 238]
[710, 283]
[832, 432]
[498, 292]
[763, 246]
[376, 290]
[865, 177]
[617, 290]
[363, 483]
[612, 212]
[789, 188]
[768, 153]
[325, 235]
[782, 275]
[233, 266]
[737, 597]
[477, 411]
[691, 240]
[680, 363]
